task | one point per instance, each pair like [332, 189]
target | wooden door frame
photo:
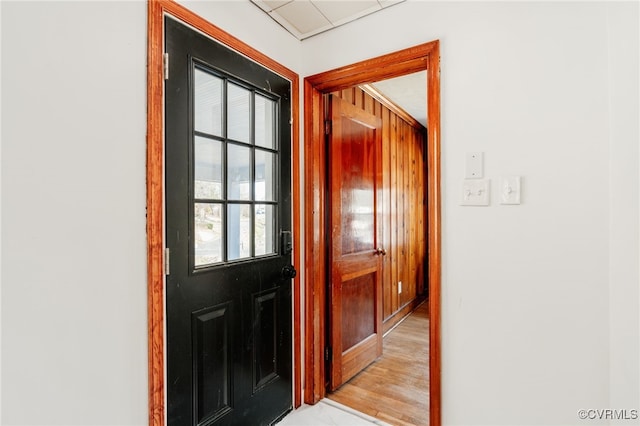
[156, 11]
[418, 58]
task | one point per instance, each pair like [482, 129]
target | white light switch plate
[474, 165]
[510, 190]
[475, 192]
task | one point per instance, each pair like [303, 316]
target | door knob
[380, 251]
[289, 272]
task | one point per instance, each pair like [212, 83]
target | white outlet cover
[510, 190]
[475, 192]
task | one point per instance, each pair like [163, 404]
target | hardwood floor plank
[395, 388]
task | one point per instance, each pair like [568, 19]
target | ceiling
[409, 92]
[306, 18]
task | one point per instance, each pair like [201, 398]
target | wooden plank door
[355, 256]
[228, 228]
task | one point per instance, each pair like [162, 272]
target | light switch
[510, 190]
[475, 192]
[473, 165]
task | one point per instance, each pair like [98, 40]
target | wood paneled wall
[404, 195]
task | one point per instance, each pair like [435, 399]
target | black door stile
[229, 331]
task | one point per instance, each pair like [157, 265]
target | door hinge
[166, 261]
[165, 65]
[328, 353]
[327, 127]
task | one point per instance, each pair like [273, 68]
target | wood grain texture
[386, 213]
[395, 388]
[435, 236]
[418, 58]
[315, 226]
[355, 287]
[296, 200]
[156, 10]
[408, 259]
[387, 66]
[155, 215]
[396, 179]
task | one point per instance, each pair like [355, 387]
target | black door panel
[228, 321]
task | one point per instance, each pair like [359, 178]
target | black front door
[228, 223]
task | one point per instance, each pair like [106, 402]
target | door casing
[156, 10]
[418, 58]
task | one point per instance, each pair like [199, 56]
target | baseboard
[401, 314]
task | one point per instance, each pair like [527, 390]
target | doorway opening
[378, 256]
[415, 59]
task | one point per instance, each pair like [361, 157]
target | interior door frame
[418, 58]
[156, 11]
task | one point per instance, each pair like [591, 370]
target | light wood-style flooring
[395, 388]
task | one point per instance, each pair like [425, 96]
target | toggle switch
[510, 190]
[475, 192]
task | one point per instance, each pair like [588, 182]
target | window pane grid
[208, 236]
[234, 173]
[208, 103]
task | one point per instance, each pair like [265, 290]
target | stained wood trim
[417, 58]
[434, 211]
[155, 215]
[156, 10]
[315, 256]
[387, 66]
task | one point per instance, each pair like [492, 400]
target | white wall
[74, 323]
[538, 299]
[624, 73]
[525, 303]
[74, 328]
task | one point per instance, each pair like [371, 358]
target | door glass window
[208, 103]
[264, 220]
[208, 233]
[239, 231]
[238, 172]
[235, 170]
[264, 122]
[238, 113]
[207, 169]
[265, 177]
